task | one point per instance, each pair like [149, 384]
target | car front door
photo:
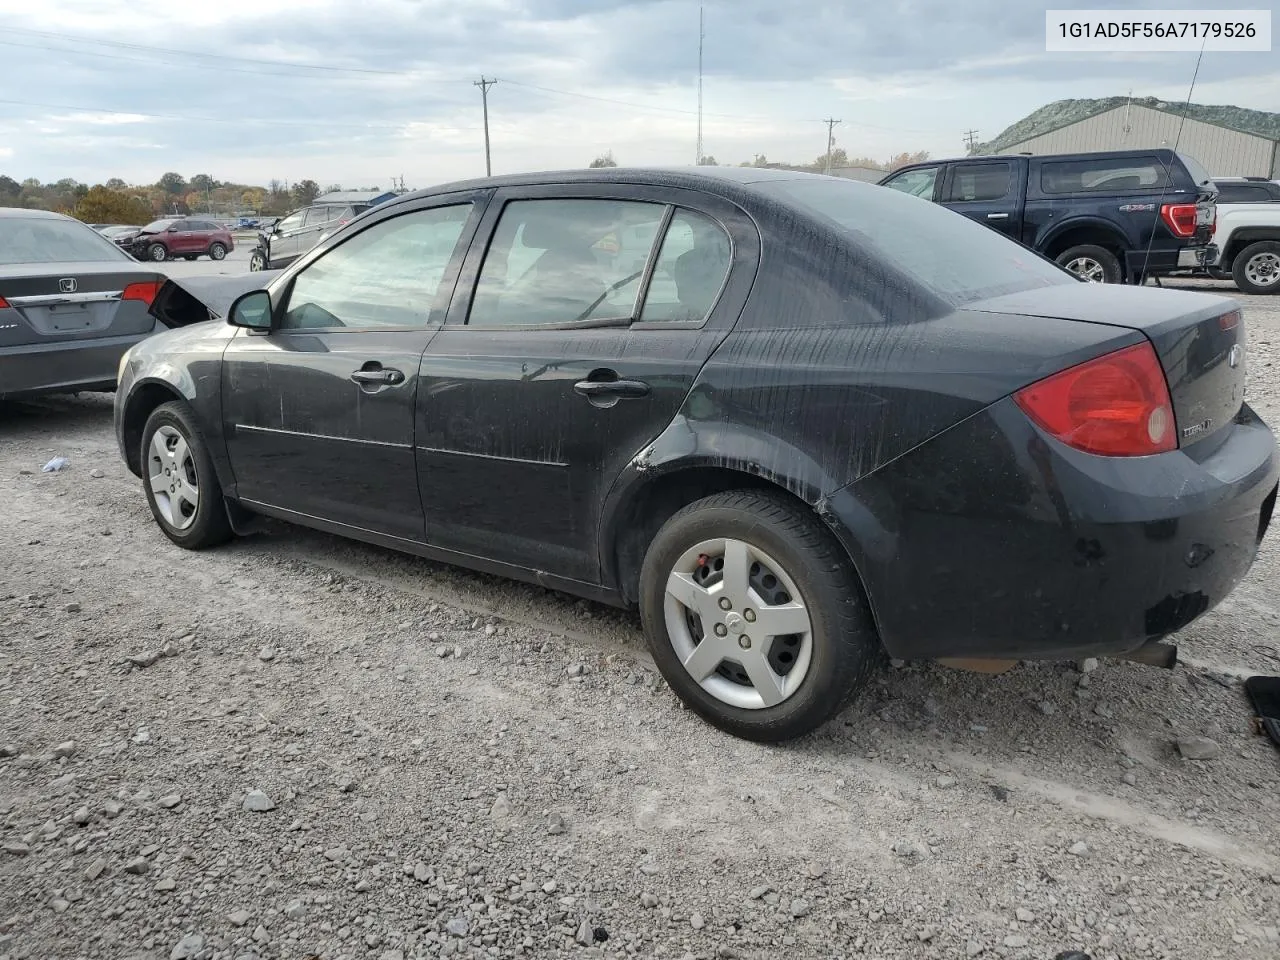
[988, 191]
[285, 237]
[555, 367]
[319, 411]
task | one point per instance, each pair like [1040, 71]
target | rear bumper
[63, 367]
[994, 540]
[1169, 260]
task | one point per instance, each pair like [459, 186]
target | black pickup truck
[1116, 217]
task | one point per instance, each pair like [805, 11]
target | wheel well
[658, 501]
[1243, 239]
[139, 407]
[1097, 236]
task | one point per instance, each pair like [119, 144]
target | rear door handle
[609, 389]
[378, 375]
[997, 216]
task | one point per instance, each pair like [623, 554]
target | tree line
[116, 201]
[839, 158]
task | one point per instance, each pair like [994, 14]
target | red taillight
[146, 292]
[1115, 406]
[3, 303]
[1180, 218]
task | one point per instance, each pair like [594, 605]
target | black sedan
[71, 304]
[795, 420]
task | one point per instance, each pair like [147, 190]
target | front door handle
[377, 375]
[611, 389]
[997, 216]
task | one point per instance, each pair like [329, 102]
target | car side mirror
[251, 310]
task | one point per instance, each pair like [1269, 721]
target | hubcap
[157, 252]
[1263, 269]
[172, 474]
[738, 624]
[1088, 268]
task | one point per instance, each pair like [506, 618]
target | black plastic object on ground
[1073, 955]
[1265, 694]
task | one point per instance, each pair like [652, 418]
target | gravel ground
[299, 747]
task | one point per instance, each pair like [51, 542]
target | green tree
[203, 183]
[708, 162]
[103, 205]
[173, 184]
[9, 188]
[305, 192]
[604, 160]
[115, 183]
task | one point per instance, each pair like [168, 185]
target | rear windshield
[958, 259]
[1198, 173]
[32, 240]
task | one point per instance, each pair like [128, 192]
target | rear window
[956, 258]
[1104, 175]
[1199, 175]
[32, 240]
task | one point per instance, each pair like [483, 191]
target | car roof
[27, 214]
[724, 180]
[1079, 155]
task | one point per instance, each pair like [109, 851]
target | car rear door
[556, 368]
[319, 412]
[988, 191]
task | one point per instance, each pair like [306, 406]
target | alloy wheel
[1088, 268]
[171, 472]
[738, 624]
[1263, 269]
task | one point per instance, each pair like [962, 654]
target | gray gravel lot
[300, 747]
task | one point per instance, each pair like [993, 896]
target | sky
[357, 93]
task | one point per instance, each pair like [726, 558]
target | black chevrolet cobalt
[797, 421]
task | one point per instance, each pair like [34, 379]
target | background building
[1228, 141]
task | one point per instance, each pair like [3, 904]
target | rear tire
[1093, 263]
[774, 566]
[179, 481]
[1256, 268]
[217, 252]
[157, 253]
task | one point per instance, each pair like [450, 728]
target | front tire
[1256, 268]
[157, 253]
[217, 252]
[1093, 263]
[755, 616]
[179, 480]
[257, 261]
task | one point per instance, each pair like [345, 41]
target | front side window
[690, 271]
[918, 183]
[565, 261]
[385, 276]
[291, 222]
[972, 182]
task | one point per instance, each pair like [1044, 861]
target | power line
[831, 141]
[484, 86]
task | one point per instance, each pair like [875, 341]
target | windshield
[32, 240]
[958, 259]
[158, 226]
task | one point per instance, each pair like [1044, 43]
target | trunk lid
[1200, 339]
[53, 302]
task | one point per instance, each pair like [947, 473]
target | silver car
[71, 304]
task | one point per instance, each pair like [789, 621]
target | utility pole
[484, 86]
[701, 36]
[971, 139]
[831, 140]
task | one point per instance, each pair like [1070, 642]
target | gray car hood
[183, 301]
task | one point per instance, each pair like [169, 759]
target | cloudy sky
[356, 93]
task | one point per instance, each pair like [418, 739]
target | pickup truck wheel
[1256, 268]
[1092, 263]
